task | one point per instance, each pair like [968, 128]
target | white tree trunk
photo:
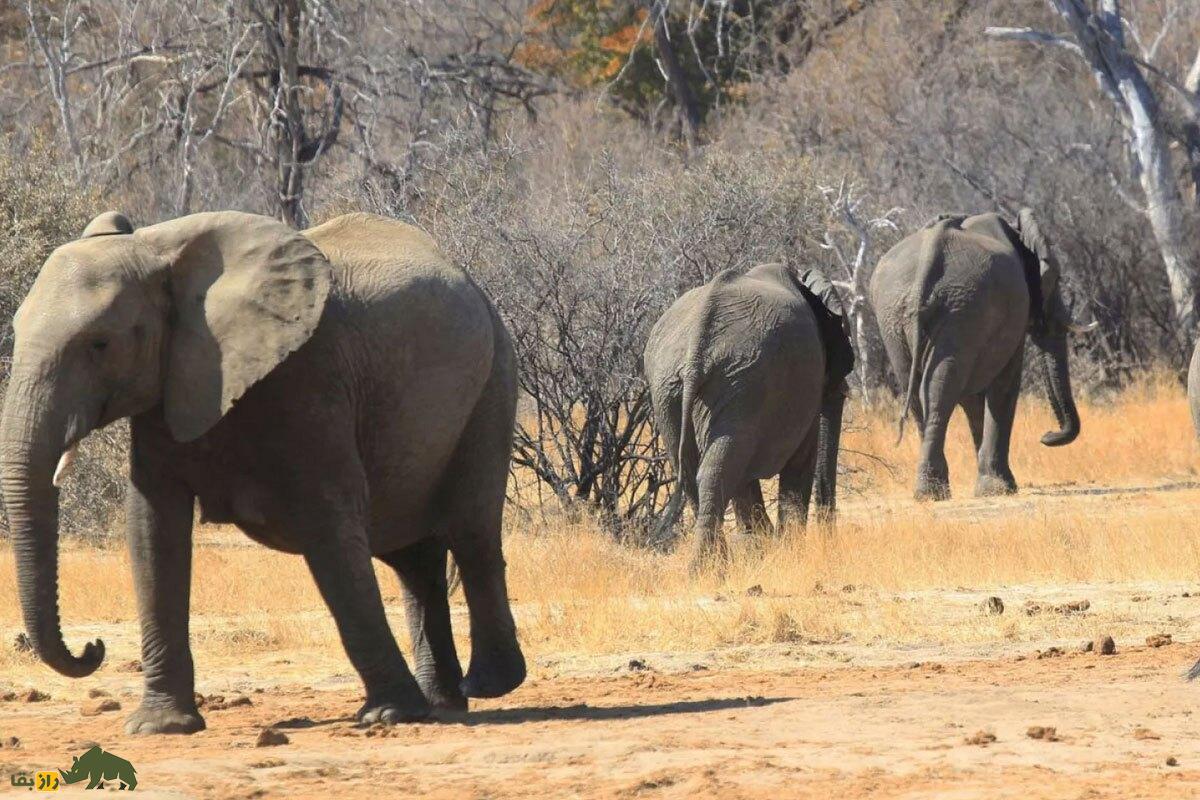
[1098, 37]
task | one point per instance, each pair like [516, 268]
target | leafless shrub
[42, 206]
[583, 249]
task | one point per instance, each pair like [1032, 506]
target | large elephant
[954, 302]
[747, 378]
[340, 393]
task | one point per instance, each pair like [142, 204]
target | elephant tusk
[1075, 327]
[64, 465]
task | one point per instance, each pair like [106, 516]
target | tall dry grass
[893, 572]
[1144, 433]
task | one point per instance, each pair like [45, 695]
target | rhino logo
[98, 766]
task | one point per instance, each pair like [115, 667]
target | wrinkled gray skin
[961, 294]
[375, 395]
[746, 377]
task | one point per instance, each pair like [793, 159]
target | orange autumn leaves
[583, 41]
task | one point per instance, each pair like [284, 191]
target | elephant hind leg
[421, 568]
[720, 478]
[941, 390]
[751, 511]
[471, 500]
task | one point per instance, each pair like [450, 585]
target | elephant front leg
[796, 483]
[340, 561]
[159, 521]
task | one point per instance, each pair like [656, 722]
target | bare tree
[848, 239]
[1098, 37]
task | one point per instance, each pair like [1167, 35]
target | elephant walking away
[341, 393]
[747, 379]
[955, 301]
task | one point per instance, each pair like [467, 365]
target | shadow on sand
[582, 711]
[572, 713]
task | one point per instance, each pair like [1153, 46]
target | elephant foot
[934, 490]
[931, 485]
[442, 698]
[496, 673]
[711, 555]
[394, 706]
[995, 485]
[154, 718]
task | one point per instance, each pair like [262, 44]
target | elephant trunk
[31, 441]
[1053, 353]
[828, 440]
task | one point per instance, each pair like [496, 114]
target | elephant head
[180, 317]
[1052, 321]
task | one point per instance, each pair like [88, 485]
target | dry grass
[893, 573]
[1143, 434]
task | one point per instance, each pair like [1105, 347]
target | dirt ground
[1124, 726]
[996, 715]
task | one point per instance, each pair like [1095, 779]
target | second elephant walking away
[747, 377]
[955, 301]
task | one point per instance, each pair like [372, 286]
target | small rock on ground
[94, 693]
[992, 606]
[1158, 640]
[269, 737]
[1105, 646]
[980, 738]
[1042, 733]
[99, 706]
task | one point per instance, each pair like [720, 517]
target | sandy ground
[849, 720]
[909, 730]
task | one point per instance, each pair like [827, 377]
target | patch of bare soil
[1073, 726]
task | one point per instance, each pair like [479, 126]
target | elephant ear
[1032, 237]
[833, 321]
[246, 291]
[110, 223]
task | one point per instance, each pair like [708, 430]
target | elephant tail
[690, 377]
[911, 390]
[675, 504]
[930, 268]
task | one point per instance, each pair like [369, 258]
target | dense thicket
[588, 160]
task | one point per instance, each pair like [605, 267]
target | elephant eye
[100, 345]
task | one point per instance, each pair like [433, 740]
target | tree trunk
[687, 106]
[1099, 38]
[289, 122]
